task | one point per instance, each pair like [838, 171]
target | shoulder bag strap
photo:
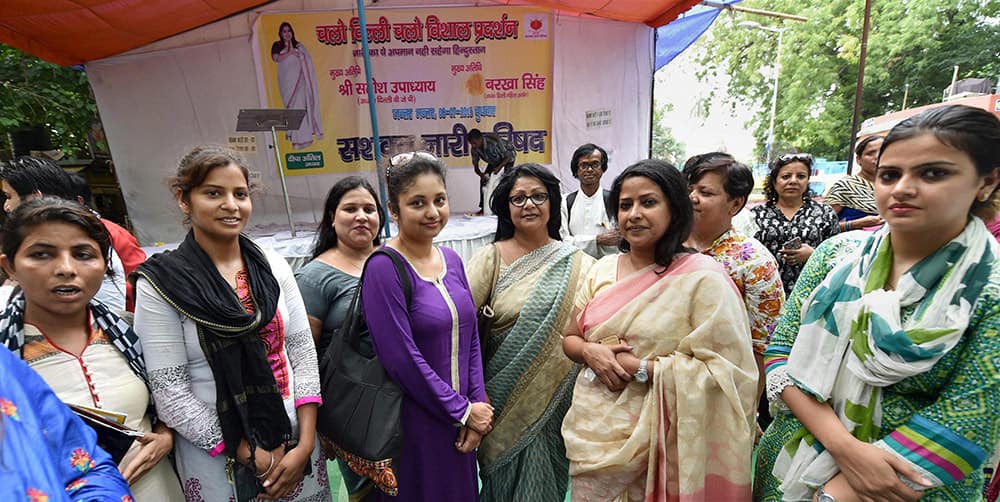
[570, 199]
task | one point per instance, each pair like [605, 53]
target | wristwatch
[822, 496]
[642, 374]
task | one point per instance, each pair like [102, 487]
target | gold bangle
[269, 467]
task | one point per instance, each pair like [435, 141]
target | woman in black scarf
[230, 357]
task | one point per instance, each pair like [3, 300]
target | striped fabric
[775, 357]
[938, 452]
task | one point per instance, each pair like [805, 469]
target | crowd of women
[646, 375]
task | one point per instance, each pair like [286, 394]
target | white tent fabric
[158, 101]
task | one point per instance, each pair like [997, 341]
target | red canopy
[653, 13]
[69, 32]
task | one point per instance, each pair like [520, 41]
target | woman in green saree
[529, 279]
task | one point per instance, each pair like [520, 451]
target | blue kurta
[432, 353]
[46, 451]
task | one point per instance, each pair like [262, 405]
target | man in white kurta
[585, 221]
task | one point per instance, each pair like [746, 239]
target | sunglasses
[403, 158]
[537, 199]
[788, 158]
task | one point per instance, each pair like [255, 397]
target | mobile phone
[794, 243]
[611, 340]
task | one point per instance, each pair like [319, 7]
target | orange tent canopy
[69, 32]
[652, 13]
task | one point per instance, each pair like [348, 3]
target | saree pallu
[528, 379]
[688, 434]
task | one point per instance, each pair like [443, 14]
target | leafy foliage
[665, 145]
[915, 42]
[35, 92]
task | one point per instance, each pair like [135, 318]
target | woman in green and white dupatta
[892, 380]
[529, 278]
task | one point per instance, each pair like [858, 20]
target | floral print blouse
[814, 222]
[755, 272]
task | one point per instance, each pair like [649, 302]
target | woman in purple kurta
[431, 349]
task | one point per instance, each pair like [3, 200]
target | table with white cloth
[464, 234]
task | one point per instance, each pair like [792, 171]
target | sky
[724, 129]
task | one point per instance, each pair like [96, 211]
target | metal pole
[652, 98]
[376, 141]
[954, 78]
[737, 8]
[860, 86]
[774, 100]
[906, 94]
[281, 176]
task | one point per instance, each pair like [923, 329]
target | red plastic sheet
[69, 32]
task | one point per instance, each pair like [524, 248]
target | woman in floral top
[791, 224]
[719, 190]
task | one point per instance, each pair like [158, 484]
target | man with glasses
[585, 221]
[498, 154]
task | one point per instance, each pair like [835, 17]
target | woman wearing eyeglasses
[427, 343]
[791, 224]
[529, 278]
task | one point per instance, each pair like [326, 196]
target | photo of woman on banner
[297, 83]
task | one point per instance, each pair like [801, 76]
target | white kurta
[587, 220]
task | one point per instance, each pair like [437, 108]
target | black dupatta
[248, 401]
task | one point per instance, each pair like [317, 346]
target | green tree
[665, 145]
[915, 42]
[35, 92]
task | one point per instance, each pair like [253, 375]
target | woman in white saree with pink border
[687, 433]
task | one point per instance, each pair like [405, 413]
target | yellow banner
[437, 74]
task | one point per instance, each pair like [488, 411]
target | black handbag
[361, 404]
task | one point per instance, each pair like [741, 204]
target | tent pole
[861, 84]
[372, 97]
[281, 175]
[652, 96]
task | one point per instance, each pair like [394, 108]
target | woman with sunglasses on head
[58, 252]
[528, 278]
[887, 372]
[428, 343]
[853, 197]
[345, 238]
[791, 224]
[231, 360]
[664, 409]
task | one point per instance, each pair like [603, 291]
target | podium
[274, 120]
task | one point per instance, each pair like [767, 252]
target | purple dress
[432, 353]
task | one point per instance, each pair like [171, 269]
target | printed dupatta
[853, 341]
[688, 434]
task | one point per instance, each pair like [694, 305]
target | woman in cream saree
[297, 83]
[677, 423]
[528, 379]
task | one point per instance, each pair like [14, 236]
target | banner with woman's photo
[437, 74]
